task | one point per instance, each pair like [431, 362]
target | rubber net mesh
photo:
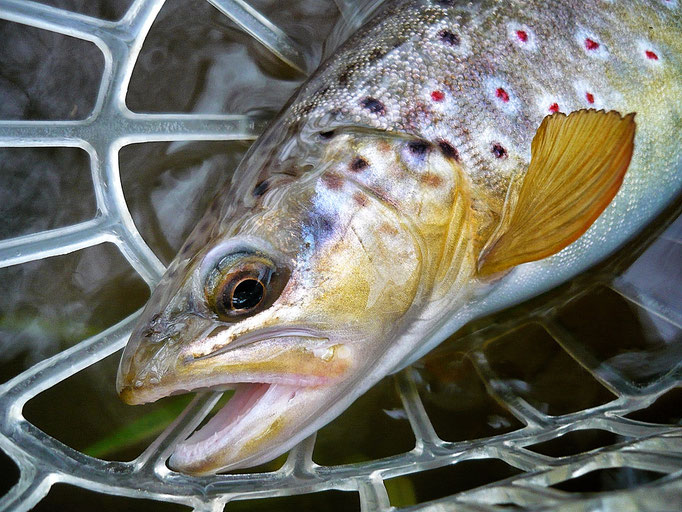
[643, 449]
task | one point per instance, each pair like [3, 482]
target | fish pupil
[247, 294]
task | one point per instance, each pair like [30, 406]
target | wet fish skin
[378, 188]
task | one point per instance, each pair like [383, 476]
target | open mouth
[279, 384]
[251, 416]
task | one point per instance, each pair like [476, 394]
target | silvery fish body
[424, 176]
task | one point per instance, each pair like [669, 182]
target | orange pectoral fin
[577, 165]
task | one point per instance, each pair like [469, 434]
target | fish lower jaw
[229, 439]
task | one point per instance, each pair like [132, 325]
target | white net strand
[44, 461]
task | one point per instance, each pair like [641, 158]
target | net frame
[44, 461]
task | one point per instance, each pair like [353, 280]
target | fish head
[290, 304]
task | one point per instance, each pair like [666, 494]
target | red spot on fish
[554, 108]
[522, 35]
[360, 199]
[437, 95]
[502, 94]
[591, 44]
[431, 179]
[332, 180]
[651, 55]
[589, 97]
[388, 229]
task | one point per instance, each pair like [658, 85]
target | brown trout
[452, 158]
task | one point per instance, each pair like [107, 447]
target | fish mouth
[227, 441]
[265, 417]
[279, 383]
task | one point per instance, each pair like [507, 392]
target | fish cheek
[346, 293]
[372, 274]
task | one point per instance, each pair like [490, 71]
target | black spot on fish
[305, 109]
[498, 150]
[320, 225]
[449, 37]
[204, 225]
[445, 3]
[327, 135]
[375, 54]
[344, 76]
[322, 91]
[373, 105]
[358, 164]
[147, 333]
[448, 150]
[326, 224]
[152, 327]
[418, 147]
[261, 188]
[291, 170]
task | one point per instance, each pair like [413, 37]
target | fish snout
[154, 357]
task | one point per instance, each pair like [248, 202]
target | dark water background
[210, 66]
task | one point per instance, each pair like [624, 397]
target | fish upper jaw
[153, 371]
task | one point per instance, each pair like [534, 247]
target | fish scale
[448, 161]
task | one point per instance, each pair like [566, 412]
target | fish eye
[243, 284]
[247, 294]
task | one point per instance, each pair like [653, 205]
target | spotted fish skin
[375, 195]
[482, 75]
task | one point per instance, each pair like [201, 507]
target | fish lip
[146, 394]
[231, 427]
[263, 335]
